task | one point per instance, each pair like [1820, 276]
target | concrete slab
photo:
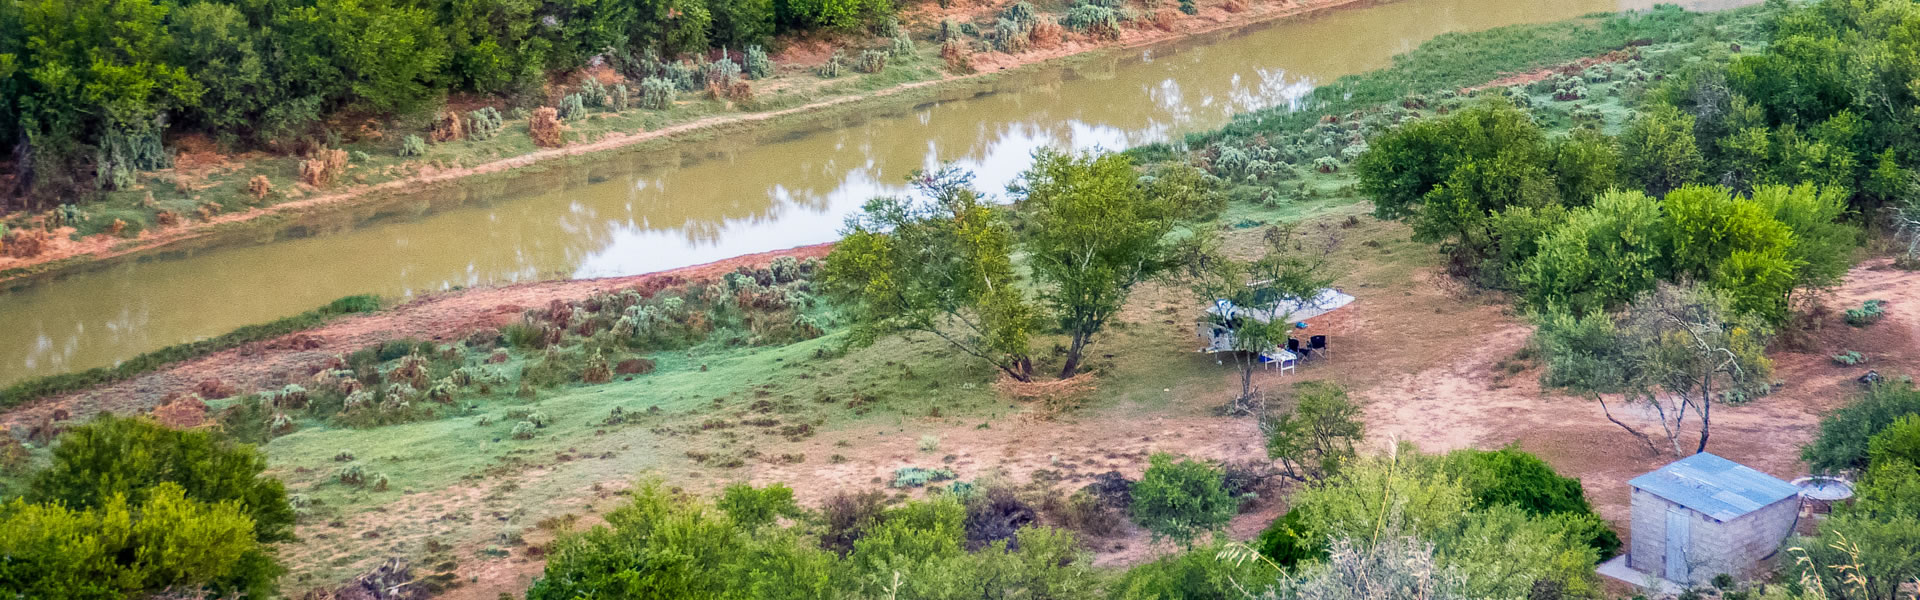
[1617, 569]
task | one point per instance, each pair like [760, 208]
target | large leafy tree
[1092, 230]
[1674, 352]
[1450, 177]
[1601, 256]
[939, 264]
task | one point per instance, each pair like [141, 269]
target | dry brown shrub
[450, 127]
[1045, 34]
[1234, 6]
[325, 166]
[597, 371]
[24, 243]
[167, 218]
[259, 186]
[958, 55]
[1163, 19]
[215, 389]
[739, 92]
[181, 411]
[207, 210]
[1057, 396]
[546, 129]
[634, 366]
[118, 226]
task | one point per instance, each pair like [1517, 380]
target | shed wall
[1738, 547]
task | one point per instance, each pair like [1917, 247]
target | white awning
[1290, 309]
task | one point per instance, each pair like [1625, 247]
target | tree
[131, 457]
[1092, 230]
[670, 27]
[1675, 351]
[220, 50]
[741, 23]
[1734, 244]
[1822, 247]
[1317, 437]
[1586, 163]
[751, 507]
[1658, 150]
[1289, 268]
[1599, 257]
[1448, 177]
[1181, 500]
[942, 265]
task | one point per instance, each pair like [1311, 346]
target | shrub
[572, 107]
[1181, 500]
[1514, 477]
[593, 93]
[759, 65]
[752, 507]
[1093, 19]
[656, 93]
[912, 477]
[259, 187]
[836, 63]
[958, 56]
[929, 443]
[1844, 434]
[1085, 513]
[847, 516]
[413, 146]
[1186, 6]
[523, 430]
[1314, 439]
[545, 128]
[128, 457]
[871, 61]
[620, 98]
[485, 123]
[448, 127]
[166, 541]
[325, 166]
[353, 475]
[1869, 313]
[597, 371]
[1205, 572]
[902, 47]
[996, 514]
[1849, 358]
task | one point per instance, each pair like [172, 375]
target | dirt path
[63, 253]
[439, 316]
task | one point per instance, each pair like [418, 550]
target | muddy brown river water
[778, 187]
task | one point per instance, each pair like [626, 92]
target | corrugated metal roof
[1718, 487]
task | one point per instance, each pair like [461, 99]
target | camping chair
[1318, 343]
[1293, 345]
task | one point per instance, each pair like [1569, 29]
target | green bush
[1520, 479]
[573, 107]
[1181, 500]
[1842, 444]
[1208, 571]
[913, 477]
[871, 61]
[413, 145]
[751, 507]
[32, 389]
[759, 65]
[835, 64]
[656, 93]
[485, 123]
[119, 549]
[1849, 358]
[128, 457]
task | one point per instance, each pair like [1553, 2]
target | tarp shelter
[1291, 309]
[1218, 331]
[1703, 515]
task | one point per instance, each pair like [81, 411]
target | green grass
[40, 387]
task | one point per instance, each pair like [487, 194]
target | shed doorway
[1678, 541]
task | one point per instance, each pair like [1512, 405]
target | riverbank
[222, 183]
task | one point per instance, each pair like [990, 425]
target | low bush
[871, 61]
[545, 128]
[759, 65]
[1181, 500]
[1842, 444]
[1870, 312]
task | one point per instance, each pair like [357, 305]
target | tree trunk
[1073, 355]
[1706, 417]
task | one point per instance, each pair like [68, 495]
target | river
[783, 186]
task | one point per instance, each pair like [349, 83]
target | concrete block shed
[1704, 515]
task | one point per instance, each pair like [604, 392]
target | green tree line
[90, 89]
